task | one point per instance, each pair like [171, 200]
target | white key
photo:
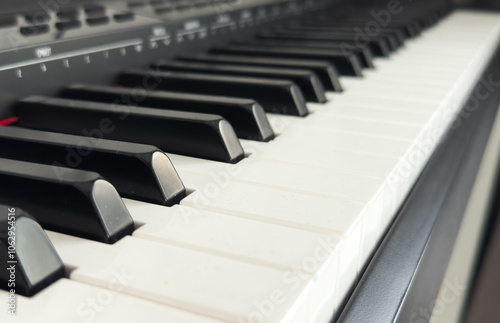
[71, 301]
[407, 95]
[385, 103]
[324, 157]
[271, 205]
[283, 175]
[423, 84]
[225, 235]
[401, 117]
[349, 125]
[330, 138]
[278, 247]
[279, 176]
[356, 223]
[205, 284]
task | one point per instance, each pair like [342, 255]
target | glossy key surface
[326, 72]
[346, 63]
[30, 261]
[307, 81]
[203, 135]
[72, 201]
[278, 96]
[137, 171]
[246, 116]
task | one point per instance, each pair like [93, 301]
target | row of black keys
[68, 171]
[277, 77]
[136, 170]
[176, 122]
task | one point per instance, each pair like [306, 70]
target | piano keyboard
[277, 227]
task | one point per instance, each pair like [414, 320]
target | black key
[410, 30]
[391, 39]
[276, 96]
[398, 32]
[307, 81]
[345, 63]
[246, 116]
[407, 26]
[426, 21]
[137, 171]
[365, 54]
[194, 134]
[30, 261]
[66, 200]
[325, 70]
[378, 46]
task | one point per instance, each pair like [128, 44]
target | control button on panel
[97, 21]
[125, 16]
[65, 25]
[34, 30]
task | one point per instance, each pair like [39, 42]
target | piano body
[250, 161]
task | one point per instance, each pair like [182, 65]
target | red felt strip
[8, 121]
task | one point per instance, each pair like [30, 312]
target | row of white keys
[294, 194]
[288, 208]
[283, 153]
[199, 167]
[287, 251]
[218, 206]
[302, 256]
[214, 286]
[231, 271]
[71, 301]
